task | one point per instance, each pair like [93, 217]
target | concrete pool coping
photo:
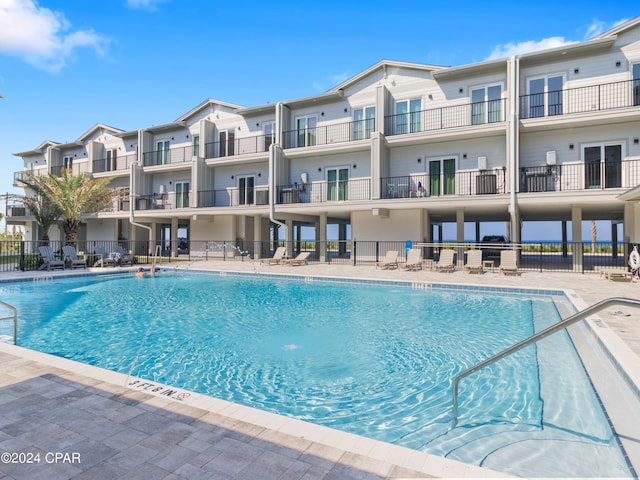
[362, 457]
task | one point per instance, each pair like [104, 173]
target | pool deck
[77, 421]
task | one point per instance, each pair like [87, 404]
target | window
[306, 128]
[246, 186]
[269, 129]
[182, 194]
[162, 152]
[602, 166]
[408, 113]
[486, 105]
[196, 145]
[364, 122]
[227, 142]
[337, 183]
[545, 96]
[442, 176]
[635, 72]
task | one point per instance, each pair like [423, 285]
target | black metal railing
[76, 168]
[172, 156]
[580, 176]
[123, 162]
[325, 191]
[592, 98]
[238, 146]
[234, 197]
[329, 134]
[444, 118]
[163, 201]
[475, 182]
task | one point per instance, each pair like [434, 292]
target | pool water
[372, 359]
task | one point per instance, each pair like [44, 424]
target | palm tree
[75, 196]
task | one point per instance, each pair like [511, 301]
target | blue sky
[66, 65]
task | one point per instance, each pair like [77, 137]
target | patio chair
[122, 258]
[390, 260]
[474, 262]
[49, 259]
[614, 274]
[509, 262]
[301, 259]
[70, 255]
[445, 262]
[278, 257]
[103, 257]
[414, 259]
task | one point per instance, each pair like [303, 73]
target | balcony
[76, 168]
[172, 156]
[238, 146]
[325, 191]
[444, 118]
[580, 176]
[234, 197]
[163, 201]
[469, 182]
[114, 164]
[594, 98]
[17, 210]
[329, 134]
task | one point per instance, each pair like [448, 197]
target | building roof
[39, 150]
[382, 65]
[623, 27]
[98, 126]
[209, 103]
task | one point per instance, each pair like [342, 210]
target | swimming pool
[373, 359]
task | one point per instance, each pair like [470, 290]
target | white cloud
[41, 36]
[150, 5]
[330, 82]
[502, 51]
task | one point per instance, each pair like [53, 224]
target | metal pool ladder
[14, 316]
[596, 307]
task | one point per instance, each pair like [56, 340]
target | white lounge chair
[103, 257]
[49, 259]
[70, 255]
[509, 262]
[474, 262]
[445, 262]
[278, 257]
[301, 259]
[414, 259]
[390, 260]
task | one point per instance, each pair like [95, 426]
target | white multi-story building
[391, 153]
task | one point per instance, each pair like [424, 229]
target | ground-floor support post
[460, 235]
[576, 238]
[321, 237]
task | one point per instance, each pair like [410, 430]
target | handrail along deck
[596, 307]
[14, 316]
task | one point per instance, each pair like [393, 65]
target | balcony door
[442, 176]
[162, 152]
[486, 105]
[182, 194]
[408, 116]
[306, 129]
[269, 130]
[227, 143]
[602, 161]
[635, 72]
[364, 120]
[545, 96]
[337, 183]
[246, 186]
[111, 160]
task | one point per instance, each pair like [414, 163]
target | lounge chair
[70, 255]
[616, 274]
[414, 259]
[49, 259]
[103, 257]
[390, 260]
[509, 262]
[445, 262]
[278, 257]
[301, 259]
[474, 262]
[123, 257]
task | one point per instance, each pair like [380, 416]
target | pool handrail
[576, 317]
[14, 316]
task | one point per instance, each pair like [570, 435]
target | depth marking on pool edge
[159, 389]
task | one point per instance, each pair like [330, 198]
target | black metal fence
[577, 257]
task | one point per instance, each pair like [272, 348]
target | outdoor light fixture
[571, 146]
[419, 159]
